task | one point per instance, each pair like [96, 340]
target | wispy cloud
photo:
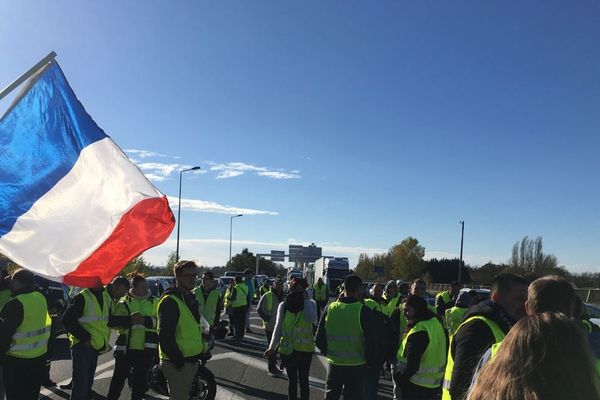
[158, 172]
[213, 207]
[233, 169]
[142, 153]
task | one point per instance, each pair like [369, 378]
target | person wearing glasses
[179, 332]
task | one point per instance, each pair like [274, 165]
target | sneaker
[67, 386]
[274, 372]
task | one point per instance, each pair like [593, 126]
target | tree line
[406, 261]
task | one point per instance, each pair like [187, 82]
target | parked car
[483, 294]
[225, 281]
[593, 313]
[158, 284]
[58, 297]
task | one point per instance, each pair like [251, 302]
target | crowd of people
[527, 341]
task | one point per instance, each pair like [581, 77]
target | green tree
[246, 259]
[138, 265]
[529, 258]
[407, 259]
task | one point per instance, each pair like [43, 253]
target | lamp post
[462, 236]
[231, 231]
[179, 209]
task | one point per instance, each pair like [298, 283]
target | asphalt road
[240, 371]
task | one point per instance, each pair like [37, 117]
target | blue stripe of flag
[41, 138]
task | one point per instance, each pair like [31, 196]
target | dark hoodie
[168, 317]
[471, 341]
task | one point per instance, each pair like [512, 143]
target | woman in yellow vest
[293, 334]
[137, 344]
[421, 353]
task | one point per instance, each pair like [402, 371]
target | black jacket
[471, 341]
[168, 317]
[369, 327]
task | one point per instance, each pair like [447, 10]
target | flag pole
[4, 92]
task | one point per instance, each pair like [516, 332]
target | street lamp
[179, 209]
[230, 232]
[462, 236]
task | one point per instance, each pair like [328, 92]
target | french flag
[73, 207]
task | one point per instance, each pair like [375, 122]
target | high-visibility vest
[453, 317]
[5, 297]
[264, 290]
[345, 336]
[446, 297]
[587, 324]
[241, 296]
[320, 292]
[226, 301]
[30, 339]
[393, 303]
[433, 361]
[95, 320]
[188, 332]
[296, 334]
[498, 337]
[268, 300]
[138, 337]
[208, 307]
[373, 305]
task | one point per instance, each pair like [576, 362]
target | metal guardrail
[588, 295]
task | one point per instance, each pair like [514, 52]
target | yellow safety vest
[268, 298]
[241, 296]
[445, 297]
[373, 305]
[296, 334]
[30, 340]
[498, 337]
[320, 292]
[95, 320]
[453, 317]
[208, 307]
[138, 337]
[188, 332]
[392, 303]
[345, 336]
[433, 360]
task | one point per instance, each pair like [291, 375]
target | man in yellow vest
[267, 310]
[179, 332]
[392, 297]
[446, 299]
[24, 333]
[209, 299]
[238, 301]
[347, 337]
[88, 320]
[454, 315]
[484, 324]
[321, 296]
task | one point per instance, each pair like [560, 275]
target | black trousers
[23, 377]
[346, 379]
[135, 365]
[297, 366]
[320, 306]
[239, 321]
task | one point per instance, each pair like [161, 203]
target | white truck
[332, 270]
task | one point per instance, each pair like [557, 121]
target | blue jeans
[85, 360]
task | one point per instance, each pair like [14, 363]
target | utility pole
[462, 236]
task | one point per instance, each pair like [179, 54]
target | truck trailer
[333, 271]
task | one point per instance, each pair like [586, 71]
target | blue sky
[350, 124]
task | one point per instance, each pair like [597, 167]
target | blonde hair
[544, 357]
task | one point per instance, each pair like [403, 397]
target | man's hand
[137, 319]
[268, 353]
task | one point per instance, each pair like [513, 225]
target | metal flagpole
[4, 92]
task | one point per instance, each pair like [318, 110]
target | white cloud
[212, 207]
[158, 172]
[279, 175]
[142, 153]
[233, 169]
